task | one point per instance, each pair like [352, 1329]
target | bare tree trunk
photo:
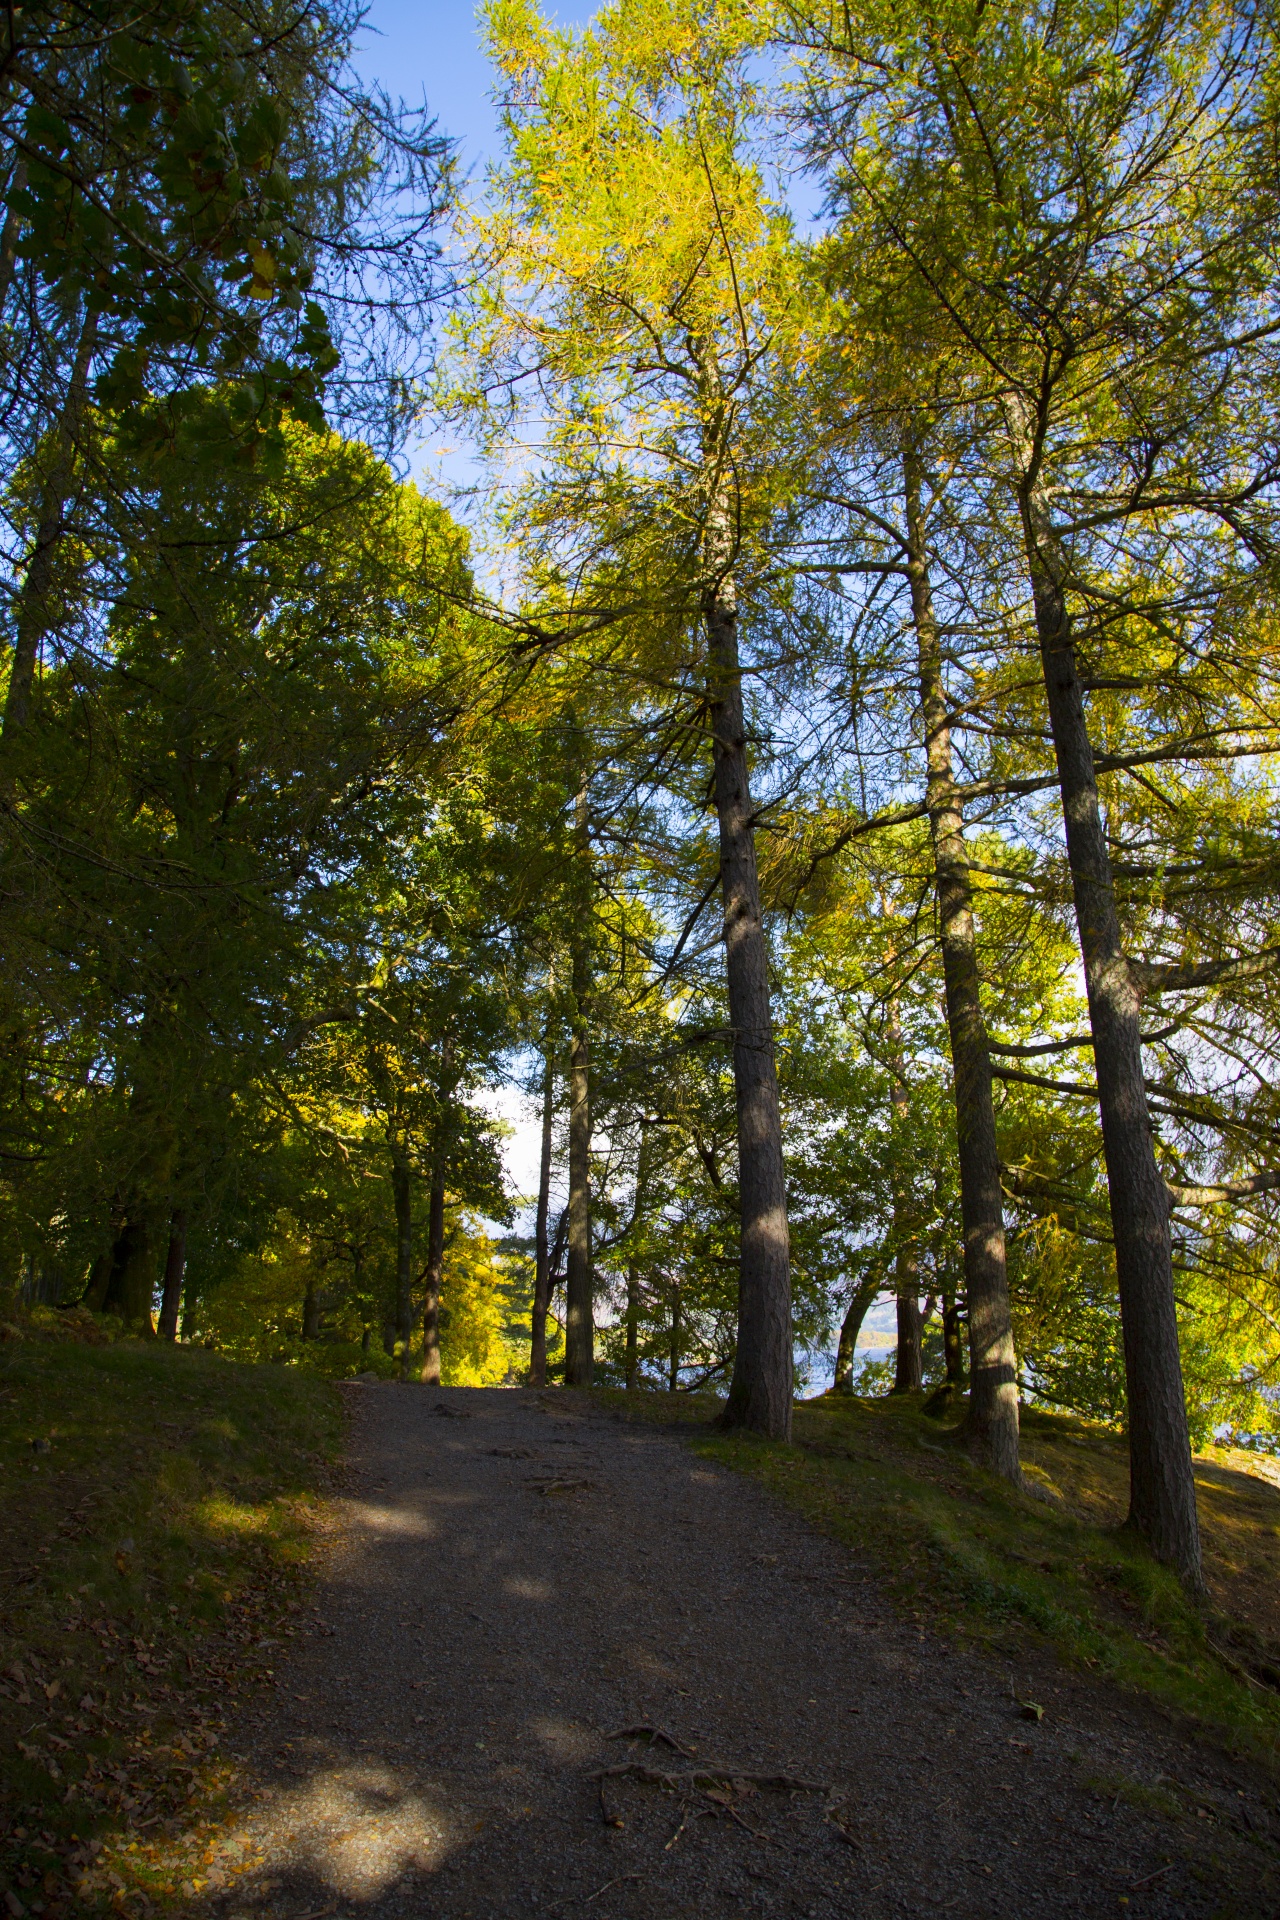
[9, 236]
[35, 614]
[761, 1390]
[1162, 1497]
[850, 1328]
[907, 1366]
[435, 1263]
[633, 1329]
[311, 1311]
[541, 1241]
[992, 1420]
[175, 1267]
[952, 1343]
[579, 1357]
[402, 1197]
[133, 1274]
[633, 1272]
[673, 1355]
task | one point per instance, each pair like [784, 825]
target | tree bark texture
[1162, 1500]
[541, 1239]
[908, 1360]
[952, 1342]
[311, 1312]
[761, 1390]
[850, 1327]
[579, 1356]
[673, 1348]
[133, 1273]
[9, 236]
[175, 1267]
[908, 1366]
[402, 1199]
[633, 1329]
[435, 1263]
[991, 1424]
[34, 613]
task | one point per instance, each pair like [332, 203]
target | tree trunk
[633, 1328]
[311, 1312]
[992, 1420]
[190, 1303]
[952, 1343]
[1162, 1498]
[760, 1392]
[541, 1240]
[9, 236]
[175, 1267]
[633, 1272]
[35, 614]
[132, 1284]
[402, 1195]
[850, 1328]
[579, 1357]
[435, 1264]
[907, 1366]
[95, 1294]
[673, 1356]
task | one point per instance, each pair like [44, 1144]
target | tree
[658, 344]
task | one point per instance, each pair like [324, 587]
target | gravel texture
[514, 1579]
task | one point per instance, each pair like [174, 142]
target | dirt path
[514, 1580]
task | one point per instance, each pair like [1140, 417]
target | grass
[1051, 1565]
[156, 1510]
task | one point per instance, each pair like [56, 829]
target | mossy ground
[1053, 1564]
[156, 1512]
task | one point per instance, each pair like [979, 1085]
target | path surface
[513, 1580]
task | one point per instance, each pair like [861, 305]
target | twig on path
[702, 1777]
[652, 1735]
[610, 1818]
[684, 1821]
[1146, 1881]
[721, 1803]
[610, 1883]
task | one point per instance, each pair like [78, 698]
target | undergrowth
[156, 1510]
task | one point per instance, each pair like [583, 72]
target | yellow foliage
[476, 1349]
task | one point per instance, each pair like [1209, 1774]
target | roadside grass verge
[1052, 1565]
[157, 1507]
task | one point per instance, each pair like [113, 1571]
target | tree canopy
[824, 776]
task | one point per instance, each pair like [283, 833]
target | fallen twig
[609, 1883]
[708, 1776]
[1234, 1666]
[1146, 1882]
[684, 1821]
[653, 1734]
[610, 1818]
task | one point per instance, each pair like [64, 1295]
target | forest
[824, 762]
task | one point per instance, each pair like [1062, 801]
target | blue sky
[432, 48]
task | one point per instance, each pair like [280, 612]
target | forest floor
[569, 1664]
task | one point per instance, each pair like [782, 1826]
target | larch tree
[641, 284]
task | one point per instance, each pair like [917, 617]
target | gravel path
[514, 1579]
